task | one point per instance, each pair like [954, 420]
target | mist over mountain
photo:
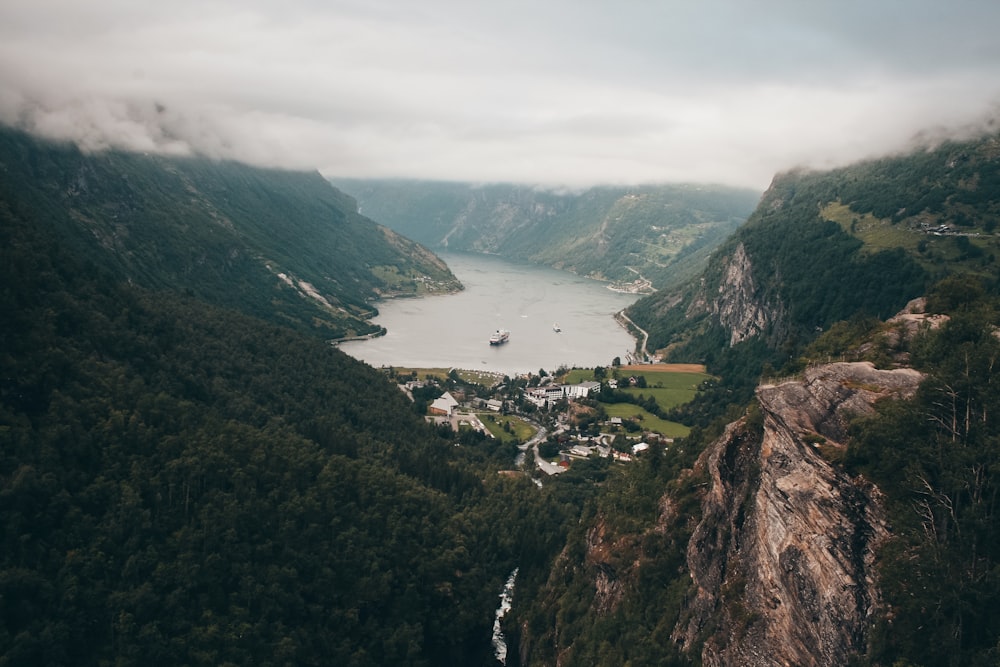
[565, 94]
[654, 234]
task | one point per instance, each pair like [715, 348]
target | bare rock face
[608, 588]
[739, 307]
[782, 558]
[736, 305]
[914, 317]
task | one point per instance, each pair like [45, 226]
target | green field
[520, 429]
[649, 421]
[668, 388]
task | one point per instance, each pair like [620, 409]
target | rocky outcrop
[781, 560]
[735, 300]
[600, 558]
[738, 306]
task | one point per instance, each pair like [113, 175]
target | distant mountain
[282, 245]
[660, 233]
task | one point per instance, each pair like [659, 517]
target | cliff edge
[781, 560]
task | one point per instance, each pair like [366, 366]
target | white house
[582, 390]
[543, 396]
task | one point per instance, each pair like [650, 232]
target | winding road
[645, 336]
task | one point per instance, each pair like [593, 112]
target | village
[588, 413]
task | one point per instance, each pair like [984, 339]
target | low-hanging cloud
[562, 94]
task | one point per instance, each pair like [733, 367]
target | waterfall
[506, 597]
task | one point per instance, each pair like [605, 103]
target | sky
[550, 92]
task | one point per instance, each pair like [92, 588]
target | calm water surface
[453, 331]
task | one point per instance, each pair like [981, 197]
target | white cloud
[570, 93]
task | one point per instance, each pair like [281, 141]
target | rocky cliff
[738, 304]
[781, 560]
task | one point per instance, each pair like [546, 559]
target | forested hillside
[714, 518]
[828, 246]
[281, 245]
[937, 460]
[661, 233]
[182, 483]
[684, 561]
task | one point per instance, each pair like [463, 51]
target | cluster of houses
[943, 230]
[543, 397]
[586, 448]
[546, 395]
[448, 409]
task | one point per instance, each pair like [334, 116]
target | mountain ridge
[821, 247]
[184, 482]
[644, 236]
[224, 231]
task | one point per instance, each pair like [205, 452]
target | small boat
[556, 328]
[499, 337]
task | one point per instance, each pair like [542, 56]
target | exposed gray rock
[738, 305]
[782, 558]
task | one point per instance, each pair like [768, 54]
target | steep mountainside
[184, 484]
[824, 247]
[782, 560]
[846, 513]
[658, 233]
[848, 517]
[189, 474]
[224, 232]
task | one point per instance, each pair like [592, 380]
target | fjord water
[452, 331]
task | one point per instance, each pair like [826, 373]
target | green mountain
[835, 502]
[183, 483]
[224, 232]
[657, 233]
[823, 247]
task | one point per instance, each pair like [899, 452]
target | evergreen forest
[185, 483]
[280, 245]
[191, 474]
